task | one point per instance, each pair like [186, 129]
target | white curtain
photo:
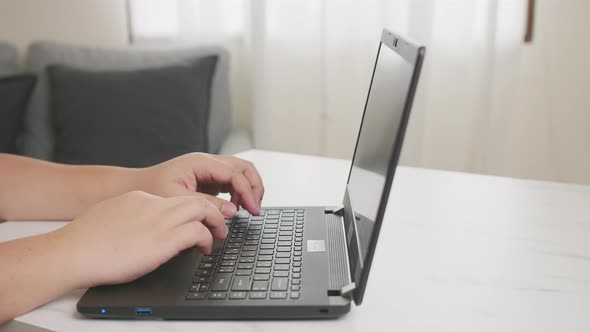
[301, 70]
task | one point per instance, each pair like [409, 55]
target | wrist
[66, 261]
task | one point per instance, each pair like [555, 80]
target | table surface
[458, 252]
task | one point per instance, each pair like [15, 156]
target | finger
[193, 234]
[228, 209]
[224, 173]
[244, 193]
[251, 174]
[190, 208]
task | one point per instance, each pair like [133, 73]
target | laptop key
[266, 252]
[297, 264]
[282, 267]
[249, 248]
[284, 249]
[264, 264]
[282, 260]
[262, 270]
[296, 282]
[261, 277]
[244, 272]
[278, 295]
[295, 288]
[295, 295]
[249, 254]
[260, 285]
[241, 283]
[242, 214]
[217, 295]
[297, 259]
[238, 295]
[228, 263]
[264, 258]
[279, 284]
[247, 260]
[245, 266]
[267, 246]
[285, 233]
[199, 279]
[258, 295]
[229, 257]
[280, 274]
[226, 269]
[204, 287]
[206, 265]
[196, 296]
[204, 272]
[296, 270]
[232, 251]
[283, 254]
[284, 243]
[209, 259]
[269, 236]
[285, 238]
[221, 282]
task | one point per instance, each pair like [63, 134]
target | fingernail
[228, 210]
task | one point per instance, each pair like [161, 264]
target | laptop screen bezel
[414, 55]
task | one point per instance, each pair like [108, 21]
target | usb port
[143, 311]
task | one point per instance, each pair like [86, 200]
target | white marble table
[458, 252]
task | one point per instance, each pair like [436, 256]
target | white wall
[90, 22]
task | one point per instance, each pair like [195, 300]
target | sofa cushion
[8, 59]
[39, 138]
[14, 96]
[130, 118]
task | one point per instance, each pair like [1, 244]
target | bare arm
[32, 189]
[99, 247]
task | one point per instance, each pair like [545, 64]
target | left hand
[206, 175]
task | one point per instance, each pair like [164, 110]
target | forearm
[34, 271]
[37, 190]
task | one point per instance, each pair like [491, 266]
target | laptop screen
[379, 141]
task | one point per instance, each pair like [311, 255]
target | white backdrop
[487, 103]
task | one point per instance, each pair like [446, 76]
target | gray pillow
[130, 118]
[8, 59]
[39, 137]
[14, 96]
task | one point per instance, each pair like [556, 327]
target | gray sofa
[38, 137]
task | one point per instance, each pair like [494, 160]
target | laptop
[289, 262]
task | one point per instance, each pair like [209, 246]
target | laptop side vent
[337, 255]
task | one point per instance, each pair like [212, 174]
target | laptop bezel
[413, 54]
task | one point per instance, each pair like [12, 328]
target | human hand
[126, 237]
[206, 175]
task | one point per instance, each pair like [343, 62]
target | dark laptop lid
[378, 147]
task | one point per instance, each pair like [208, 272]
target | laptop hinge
[347, 290]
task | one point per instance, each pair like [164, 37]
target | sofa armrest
[238, 140]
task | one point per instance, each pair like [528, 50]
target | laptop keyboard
[260, 259]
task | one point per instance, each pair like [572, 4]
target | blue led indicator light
[102, 311]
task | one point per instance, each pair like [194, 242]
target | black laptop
[289, 262]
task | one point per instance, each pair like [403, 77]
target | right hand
[123, 238]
